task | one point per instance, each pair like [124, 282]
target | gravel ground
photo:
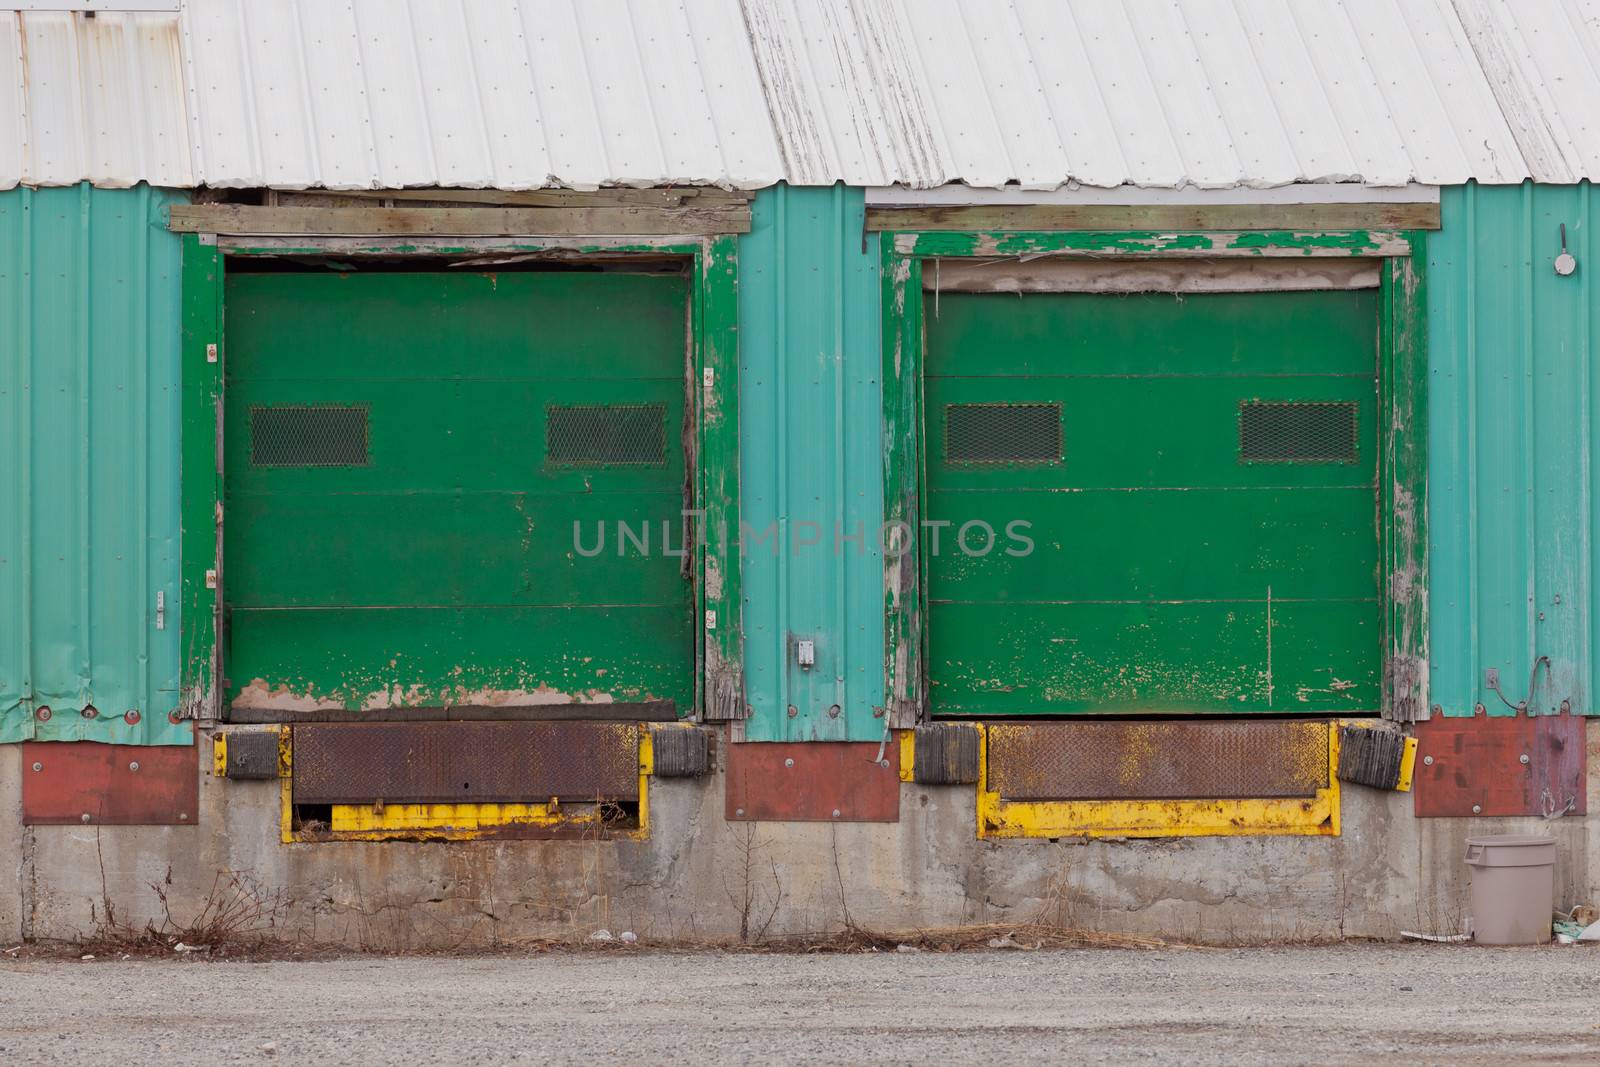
[1339, 1004]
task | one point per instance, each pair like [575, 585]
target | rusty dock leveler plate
[465, 762]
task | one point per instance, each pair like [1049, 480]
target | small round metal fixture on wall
[1566, 263]
[131, 717]
[42, 714]
[90, 711]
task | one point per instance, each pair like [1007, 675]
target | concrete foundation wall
[1387, 872]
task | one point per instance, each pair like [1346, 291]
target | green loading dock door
[1198, 473]
[407, 455]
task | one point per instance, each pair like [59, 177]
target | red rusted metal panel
[465, 762]
[1500, 765]
[1157, 760]
[813, 781]
[87, 782]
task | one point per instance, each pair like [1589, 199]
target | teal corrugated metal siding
[89, 299]
[811, 458]
[1512, 351]
[89, 309]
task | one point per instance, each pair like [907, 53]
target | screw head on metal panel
[1478, 709]
[131, 716]
[1523, 758]
[183, 816]
[788, 763]
[883, 762]
[739, 812]
[90, 711]
[835, 813]
[173, 717]
[134, 765]
[85, 817]
[793, 711]
[1566, 706]
[42, 714]
[1437, 710]
[1477, 809]
[38, 766]
[1427, 760]
[833, 712]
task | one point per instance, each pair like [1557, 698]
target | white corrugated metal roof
[744, 93]
[1543, 58]
[1211, 93]
[474, 93]
[98, 99]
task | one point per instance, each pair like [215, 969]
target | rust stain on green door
[426, 479]
[1197, 479]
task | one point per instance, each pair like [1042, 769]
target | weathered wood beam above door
[691, 216]
[1304, 218]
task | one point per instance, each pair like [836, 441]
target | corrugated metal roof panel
[1543, 57]
[382, 94]
[1210, 93]
[91, 98]
[491, 93]
[1038, 93]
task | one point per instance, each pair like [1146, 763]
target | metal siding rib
[15, 481]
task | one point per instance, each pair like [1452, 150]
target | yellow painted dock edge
[443, 822]
[1408, 766]
[1317, 815]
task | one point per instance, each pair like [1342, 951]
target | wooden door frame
[1402, 407]
[713, 304]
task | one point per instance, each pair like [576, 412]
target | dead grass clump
[239, 916]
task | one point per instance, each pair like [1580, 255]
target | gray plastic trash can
[1513, 888]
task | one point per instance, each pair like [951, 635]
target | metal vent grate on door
[1002, 433]
[606, 435]
[308, 435]
[1297, 432]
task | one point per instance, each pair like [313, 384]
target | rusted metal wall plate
[1157, 760]
[813, 781]
[87, 782]
[465, 762]
[1500, 765]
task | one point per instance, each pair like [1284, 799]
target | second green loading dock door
[407, 455]
[1197, 473]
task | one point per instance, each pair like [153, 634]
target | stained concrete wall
[1387, 872]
